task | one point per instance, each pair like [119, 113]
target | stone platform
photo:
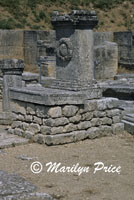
[128, 121]
[46, 96]
[64, 119]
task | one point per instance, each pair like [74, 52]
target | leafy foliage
[20, 10]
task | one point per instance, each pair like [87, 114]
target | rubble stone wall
[53, 125]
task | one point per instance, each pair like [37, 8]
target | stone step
[9, 140]
[121, 76]
[126, 103]
[128, 126]
[128, 118]
[127, 110]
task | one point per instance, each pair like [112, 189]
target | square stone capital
[77, 19]
[12, 66]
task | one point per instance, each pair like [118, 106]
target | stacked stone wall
[53, 125]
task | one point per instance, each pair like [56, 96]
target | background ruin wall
[110, 49]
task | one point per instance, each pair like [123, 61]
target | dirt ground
[116, 150]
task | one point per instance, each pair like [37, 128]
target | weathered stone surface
[69, 111]
[41, 111]
[84, 125]
[69, 128]
[102, 104]
[12, 70]
[125, 46]
[105, 131]
[18, 131]
[109, 103]
[55, 112]
[12, 184]
[39, 138]
[51, 97]
[78, 59]
[9, 140]
[11, 44]
[93, 132]
[57, 130]
[10, 131]
[45, 130]
[106, 121]
[31, 196]
[49, 65]
[106, 60]
[30, 109]
[16, 124]
[28, 135]
[116, 119]
[99, 114]
[34, 128]
[13, 187]
[37, 120]
[25, 157]
[28, 118]
[75, 119]
[66, 138]
[56, 122]
[112, 103]
[19, 108]
[118, 128]
[6, 118]
[114, 112]
[25, 126]
[87, 116]
[18, 117]
[95, 122]
[90, 105]
[101, 37]
[129, 117]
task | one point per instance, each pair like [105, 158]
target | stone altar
[74, 52]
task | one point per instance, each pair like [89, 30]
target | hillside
[114, 15]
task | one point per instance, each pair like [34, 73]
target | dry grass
[119, 18]
[123, 70]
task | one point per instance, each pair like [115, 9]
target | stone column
[12, 77]
[74, 54]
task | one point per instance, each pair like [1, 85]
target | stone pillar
[12, 77]
[74, 52]
[48, 66]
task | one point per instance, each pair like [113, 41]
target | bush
[103, 4]
[7, 24]
[42, 15]
[19, 25]
[35, 27]
[10, 3]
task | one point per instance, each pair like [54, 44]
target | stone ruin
[71, 105]
[71, 108]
